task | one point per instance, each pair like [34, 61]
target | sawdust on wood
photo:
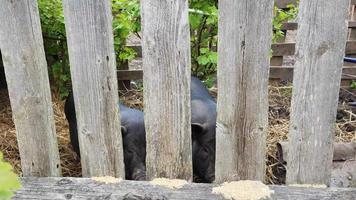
[246, 190]
[107, 179]
[169, 183]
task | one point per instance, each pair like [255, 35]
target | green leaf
[204, 50]
[203, 60]
[9, 181]
[353, 85]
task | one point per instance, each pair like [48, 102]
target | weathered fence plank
[92, 59]
[27, 77]
[319, 56]
[83, 188]
[243, 71]
[166, 66]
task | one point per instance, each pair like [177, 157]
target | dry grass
[279, 101]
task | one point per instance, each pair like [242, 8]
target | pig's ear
[197, 130]
[123, 131]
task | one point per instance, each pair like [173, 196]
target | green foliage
[54, 36]
[8, 180]
[281, 16]
[125, 22]
[203, 18]
[353, 85]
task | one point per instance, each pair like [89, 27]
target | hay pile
[279, 109]
[8, 145]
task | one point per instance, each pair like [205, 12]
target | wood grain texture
[243, 71]
[166, 66]
[278, 49]
[275, 72]
[83, 188]
[284, 3]
[92, 60]
[319, 57]
[25, 65]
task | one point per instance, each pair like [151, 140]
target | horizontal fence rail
[84, 188]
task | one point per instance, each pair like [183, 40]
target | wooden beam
[294, 25]
[167, 70]
[93, 70]
[284, 3]
[242, 114]
[316, 86]
[84, 188]
[279, 49]
[27, 78]
[276, 72]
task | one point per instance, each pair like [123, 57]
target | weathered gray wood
[341, 151]
[244, 44]
[320, 48]
[166, 66]
[27, 77]
[92, 59]
[80, 188]
[279, 49]
[276, 72]
[284, 3]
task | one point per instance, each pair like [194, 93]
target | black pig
[133, 137]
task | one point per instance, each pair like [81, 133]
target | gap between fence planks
[27, 79]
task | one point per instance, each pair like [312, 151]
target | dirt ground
[279, 108]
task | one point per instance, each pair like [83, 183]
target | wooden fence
[281, 50]
[245, 40]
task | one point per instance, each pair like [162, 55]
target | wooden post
[93, 70]
[166, 66]
[27, 77]
[245, 35]
[320, 48]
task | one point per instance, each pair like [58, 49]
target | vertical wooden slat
[245, 34]
[320, 47]
[166, 65]
[27, 77]
[93, 70]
